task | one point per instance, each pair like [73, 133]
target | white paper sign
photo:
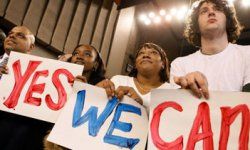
[109, 129]
[36, 87]
[174, 123]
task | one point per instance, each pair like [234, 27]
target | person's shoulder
[184, 59]
[241, 49]
[122, 80]
[120, 77]
[167, 85]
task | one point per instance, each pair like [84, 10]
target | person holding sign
[18, 132]
[219, 65]
[94, 72]
[151, 71]
[87, 55]
[20, 39]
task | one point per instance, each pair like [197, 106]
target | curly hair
[192, 31]
[164, 73]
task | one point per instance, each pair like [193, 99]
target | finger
[122, 90]
[203, 85]
[104, 84]
[4, 69]
[134, 95]
[109, 93]
[177, 80]
[120, 93]
[183, 82]
[110, 87]
[81, 78]
[139, 100]
[194, 87]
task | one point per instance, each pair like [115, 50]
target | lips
[79, 62]
[146, 60]
[211, 20]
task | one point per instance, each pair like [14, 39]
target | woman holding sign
[93, 72]
[151, 71]
[87, 55]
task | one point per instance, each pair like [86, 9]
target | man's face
[211, 18]
[19, 40]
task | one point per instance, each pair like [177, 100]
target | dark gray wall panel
[3, 6]
[63, 24]
[16, 11]
[34, 15]
[76, 27]
[101, 24]
[49, 21]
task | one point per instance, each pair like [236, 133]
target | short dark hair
[233, 27]
[164, 73]
[97, 74]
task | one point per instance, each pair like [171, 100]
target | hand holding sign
[36, 87]
[180, 121]
[91, 120]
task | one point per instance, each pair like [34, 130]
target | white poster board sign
[91, 121]
[178, 120]
[36, 87]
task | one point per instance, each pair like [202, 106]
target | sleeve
[247, 66]
[117, 80]
[176, 69]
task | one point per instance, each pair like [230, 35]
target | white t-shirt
[3, 57]
[228, 70]
[120, 80]
[3, 61]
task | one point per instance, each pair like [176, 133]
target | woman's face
[149, 59]
[84, 55]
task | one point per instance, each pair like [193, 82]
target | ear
[32, 46]
[96, 65]
[162, 65]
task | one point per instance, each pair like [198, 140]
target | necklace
[140, 86]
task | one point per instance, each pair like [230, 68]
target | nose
[146, 55]
[80, 58]
[211, 12]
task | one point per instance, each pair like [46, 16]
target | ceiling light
[181, 14]
[157, 19]
[147, 22]
[143, 17]
[246, 3]
[151, 14]
[168, 17]
[173, 11]
[162, 12]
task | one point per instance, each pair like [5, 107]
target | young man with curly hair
[219, 64]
